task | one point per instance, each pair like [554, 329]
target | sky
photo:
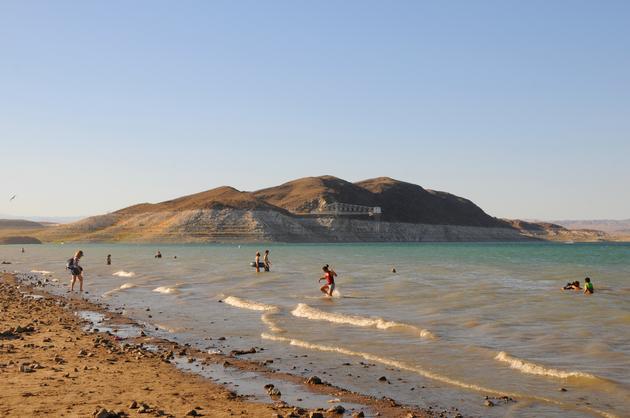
[522, 107]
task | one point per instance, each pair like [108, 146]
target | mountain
[610, 226]
[399, 201]
[311, 209]
[19, 224]
[12, 231]
[220, 198]
[554, 232]
[44, 219]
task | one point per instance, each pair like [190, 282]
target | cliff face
[225, 225]
[292, 212]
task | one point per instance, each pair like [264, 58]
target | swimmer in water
[588, 286]
[329, 276]
[573, 286]
[158, 254]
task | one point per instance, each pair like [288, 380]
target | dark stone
[338, 409]
[314, 380]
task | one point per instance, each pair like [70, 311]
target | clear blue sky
[522, 107]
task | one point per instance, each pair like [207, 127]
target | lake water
[456, 322]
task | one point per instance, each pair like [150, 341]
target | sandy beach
[53, 363]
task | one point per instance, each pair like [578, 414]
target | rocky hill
[614, 227]
[19, 224]
[381, 209]
[400, 201]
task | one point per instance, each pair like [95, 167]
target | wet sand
[55, 363]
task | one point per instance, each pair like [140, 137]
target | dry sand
[51, 365]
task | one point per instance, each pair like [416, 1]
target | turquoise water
[455, 323]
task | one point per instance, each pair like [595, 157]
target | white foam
[127, 286]
[248, 304]
[268, 310]
[118, 289]
[41, 271]
[533, 368]
[304, 311]
[428, 374]
[266, 318]
[383, 360]
[165, 290]
[123, 273]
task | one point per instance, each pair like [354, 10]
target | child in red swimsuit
[329, 276]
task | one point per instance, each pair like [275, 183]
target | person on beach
[76, 270]
[22, 250]
[257, 262]
[588, 286]
[158, 254]
[266, 261]
[109, 259]
[329, 276]
[572, 286]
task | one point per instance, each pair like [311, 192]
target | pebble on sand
[314, 380]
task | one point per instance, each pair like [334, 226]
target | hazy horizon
[521, 108]
[71, 218]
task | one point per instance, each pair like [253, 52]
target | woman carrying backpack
[76, 270]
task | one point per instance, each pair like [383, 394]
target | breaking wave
[127, 286]
[248, 304]
[304, 311]
[123, 273]
[533, 368]
[385, 361]
[166, 290]
[268, 310]
[118, 289]
[428, 374]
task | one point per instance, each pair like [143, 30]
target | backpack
[70, 263]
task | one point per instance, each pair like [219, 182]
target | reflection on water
[456, 322]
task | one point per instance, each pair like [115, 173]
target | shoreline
[53, 361]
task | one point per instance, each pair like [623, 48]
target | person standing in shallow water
[109, 259]
[266, 261]
[76, 270]
[257, 262]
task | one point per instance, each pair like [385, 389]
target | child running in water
[329, 276]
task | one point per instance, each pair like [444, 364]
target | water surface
[455, 323]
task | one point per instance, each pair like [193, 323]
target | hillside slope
[19, 224]
[291, 212]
